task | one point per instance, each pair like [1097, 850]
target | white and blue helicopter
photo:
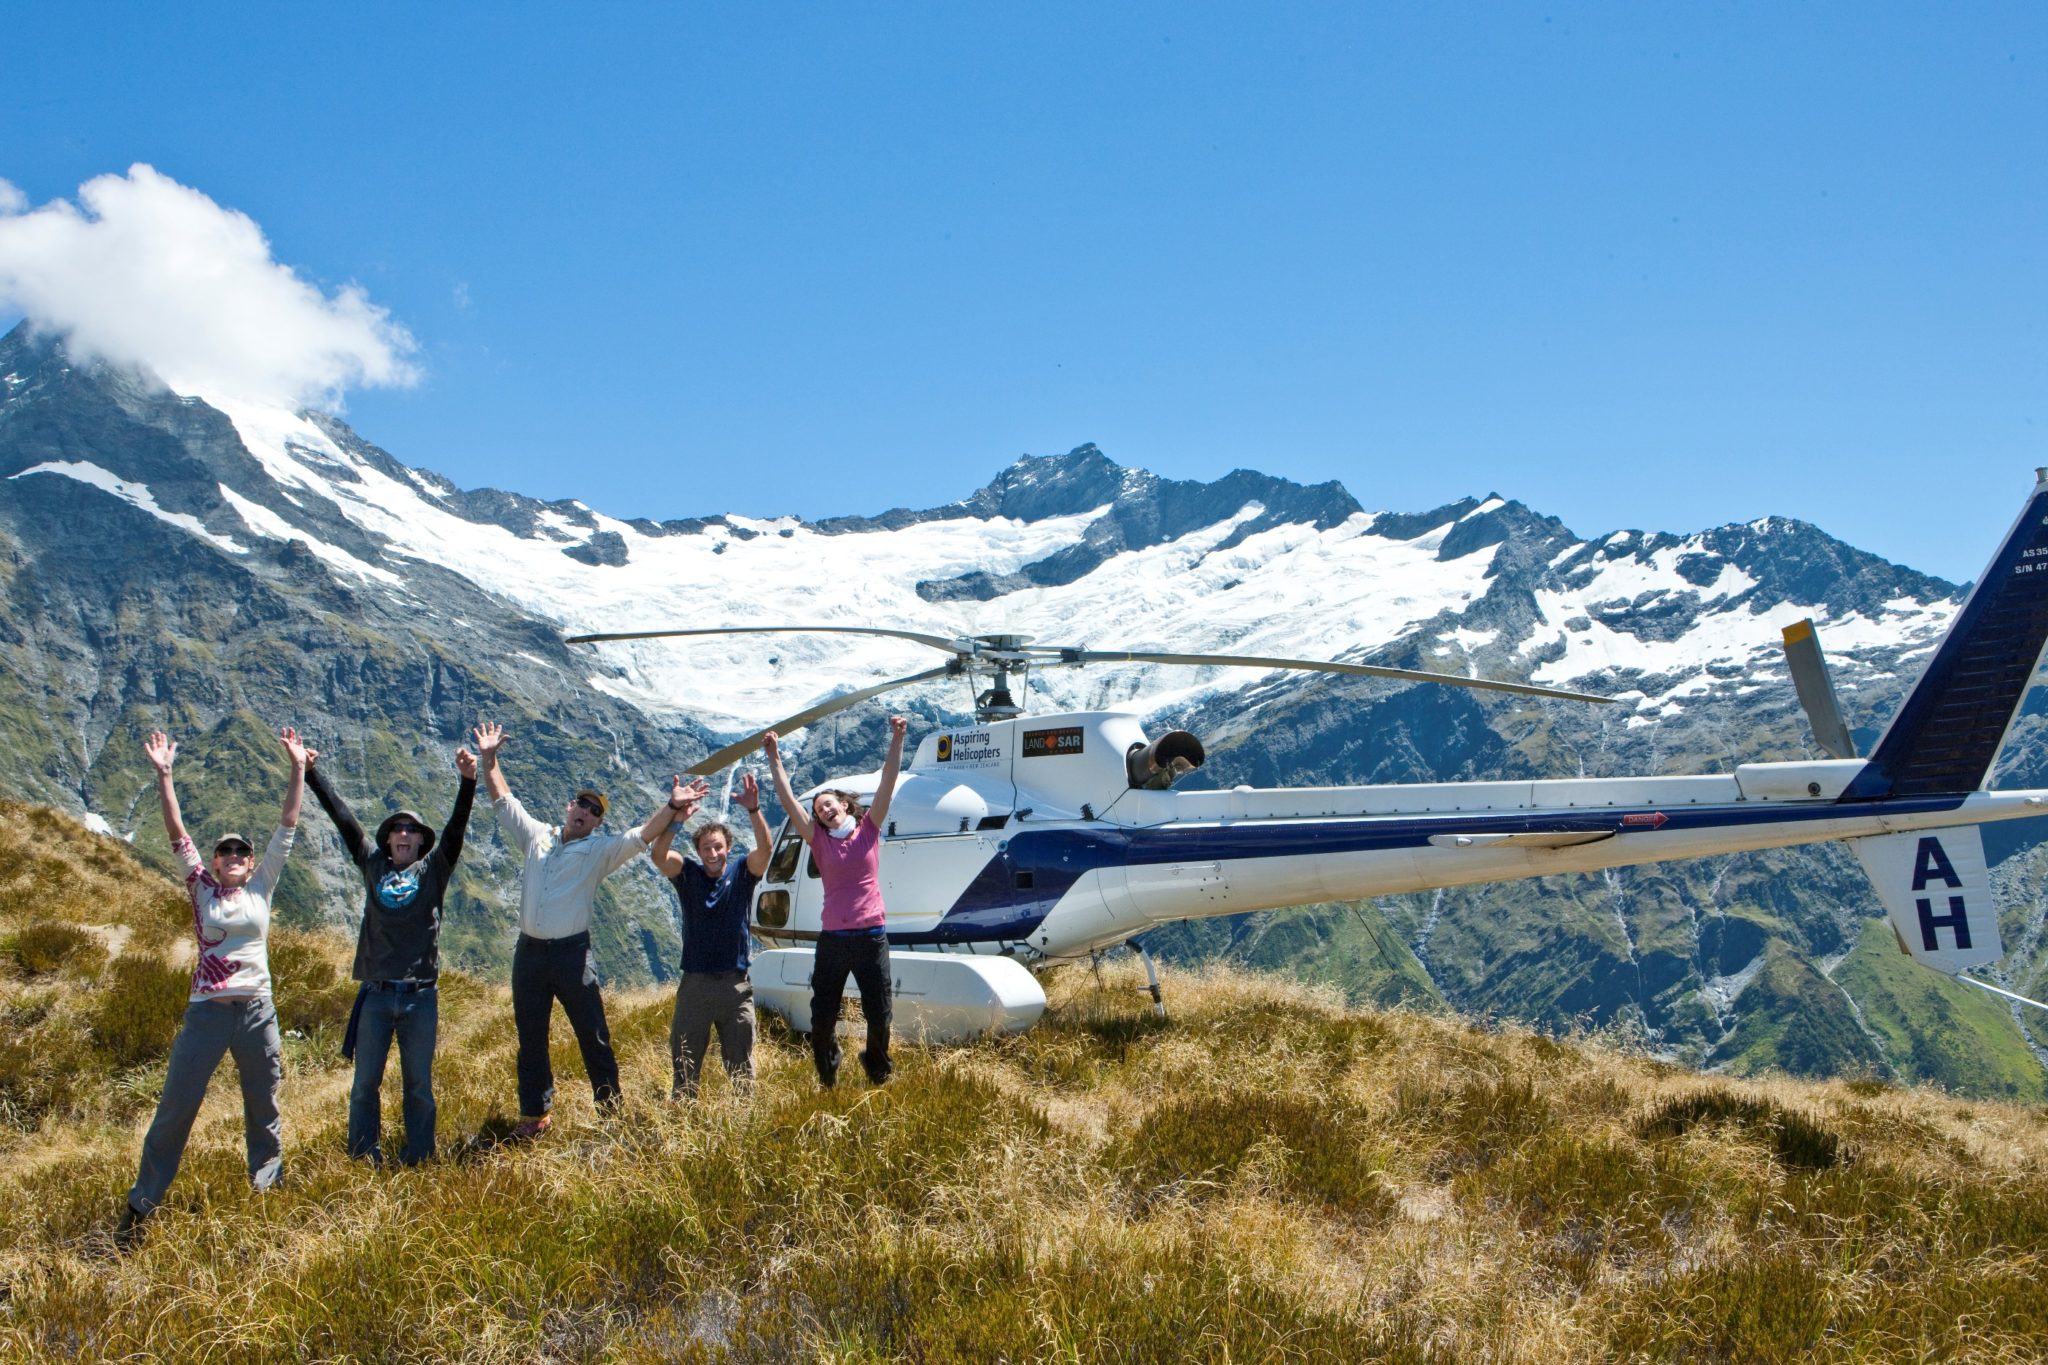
[1020, 841]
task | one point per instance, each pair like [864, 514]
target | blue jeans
[413, 1018]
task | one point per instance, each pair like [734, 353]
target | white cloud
[143, 271]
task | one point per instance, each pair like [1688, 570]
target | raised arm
[488, 737]
[666, 860]
[162, 751]
[448, 847]
[878, 808]
[750, 802]
[682, 803]
[295, 790]
[337, 810]
[799, 818]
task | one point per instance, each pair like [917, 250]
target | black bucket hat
[384, 830]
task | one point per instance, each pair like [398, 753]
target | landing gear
[1151, 979]
[1151, 974]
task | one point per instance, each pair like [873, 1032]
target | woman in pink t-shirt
[846, 847]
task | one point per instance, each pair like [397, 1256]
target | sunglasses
[233, 850]
[407, 827]
[587, 804]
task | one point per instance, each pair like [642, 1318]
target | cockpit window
[782, 866]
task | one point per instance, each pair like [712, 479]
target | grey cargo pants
[705, 1000]
[245, 1026]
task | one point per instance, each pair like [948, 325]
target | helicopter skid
[937, 998]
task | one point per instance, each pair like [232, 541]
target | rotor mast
[1001, 655]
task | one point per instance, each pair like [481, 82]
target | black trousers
[865, 957]
[545, 970]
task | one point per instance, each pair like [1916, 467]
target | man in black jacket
[398, 959]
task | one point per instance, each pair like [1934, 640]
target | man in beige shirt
[558, 881]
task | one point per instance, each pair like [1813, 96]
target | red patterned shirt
[232, 924]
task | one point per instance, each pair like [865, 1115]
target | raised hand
[488, 736]
[302, 757]
[899, 726]
[161, 751]
[465, 763]
[772, 746]
[685, 800]
[750, 793]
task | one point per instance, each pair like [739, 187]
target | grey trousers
[705, 999]
[247, 1028]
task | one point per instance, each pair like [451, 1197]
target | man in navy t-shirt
[716, 891]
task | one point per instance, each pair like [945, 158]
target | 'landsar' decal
[1065, 740]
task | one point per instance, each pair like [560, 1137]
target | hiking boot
[529, 1129]
[128, 1230]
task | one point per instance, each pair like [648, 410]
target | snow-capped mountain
[195, 561]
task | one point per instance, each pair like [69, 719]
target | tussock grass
[1263, 1176]
[43, 948]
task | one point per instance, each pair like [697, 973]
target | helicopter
[1024, 840]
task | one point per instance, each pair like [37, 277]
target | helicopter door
[923, 877]
[775, 898]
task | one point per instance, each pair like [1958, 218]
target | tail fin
[1937, 889]
[1950, 728]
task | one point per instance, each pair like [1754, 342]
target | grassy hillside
[1266, 1175]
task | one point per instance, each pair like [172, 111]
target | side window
[811, 867]
[782, 866]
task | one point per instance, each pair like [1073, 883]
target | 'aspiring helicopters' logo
[968, 748]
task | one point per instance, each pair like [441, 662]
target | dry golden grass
[1265, 1176]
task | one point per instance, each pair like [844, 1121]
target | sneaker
[529, 1129]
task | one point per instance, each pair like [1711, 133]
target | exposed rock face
[215, 570]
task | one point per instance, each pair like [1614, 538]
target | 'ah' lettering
[1955, 919]
[1931, 864]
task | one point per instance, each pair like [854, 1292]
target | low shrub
[1320, 1149]
[861, 1300]
[1797, 1141]
[141, 1002]
[1472, 1124]
[42, 1071]
[309, 990]
[43, 948]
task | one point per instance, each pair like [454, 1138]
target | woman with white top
[846, 847]
[230, 1010]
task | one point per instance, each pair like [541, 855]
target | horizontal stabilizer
[1937, 889]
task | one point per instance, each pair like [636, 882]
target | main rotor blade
[711, 763]
[1099, 656]
[1816, 691]
[935, 641]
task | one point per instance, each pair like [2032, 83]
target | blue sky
[1636, 265]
